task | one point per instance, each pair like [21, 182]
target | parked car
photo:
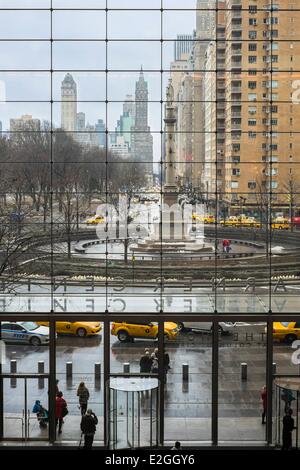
[286, 331]
[76, 328]
[280, 223]
[224, 327]
[25, 332]
[206, 219]
[128, 331]
[98, 219]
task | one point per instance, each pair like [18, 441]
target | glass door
[25, 407]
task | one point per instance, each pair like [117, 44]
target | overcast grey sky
[76, 55]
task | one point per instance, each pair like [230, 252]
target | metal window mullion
[52, 380]
[106, 358]
[269, 380]
[161, 381]
[214, 381]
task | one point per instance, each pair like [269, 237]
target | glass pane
[80, 375]
[242, 375]
[188, 371]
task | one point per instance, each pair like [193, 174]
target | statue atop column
[170, 93]
[170, 186]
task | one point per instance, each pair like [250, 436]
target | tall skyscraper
[214, 92]
[205, 19]
[262, 123]
[183, 46]
[129, 106]
[101, 132]
[142, 140]
[69, 104]
[127, 120]
[205, 33]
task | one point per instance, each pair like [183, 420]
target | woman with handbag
[61, 411]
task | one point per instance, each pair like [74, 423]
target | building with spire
[142, 140]
[69, 104]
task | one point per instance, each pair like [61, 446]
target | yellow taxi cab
[280, 223]
[232, 221]
[286, 331]
[128, 331]
[249, 222]
[98, 219]
[78, 328]
[240, 221]
[206, 219]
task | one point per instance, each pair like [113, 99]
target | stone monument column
[172, 226]
[170, 186]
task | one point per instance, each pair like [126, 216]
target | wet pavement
[187, 405]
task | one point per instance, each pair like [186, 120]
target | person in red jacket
[264, 404]
[60, 410]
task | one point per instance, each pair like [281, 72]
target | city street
[187, 403]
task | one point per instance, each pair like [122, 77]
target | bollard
[69, 369]
[13, 370]
[244, 370]
[41, 370]
[185, 372]
[126, 368]
[13, 366]
[274, 367]
[97, 370]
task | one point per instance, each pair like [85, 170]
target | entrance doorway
[287, 397]
[133, 412]
[21, 419]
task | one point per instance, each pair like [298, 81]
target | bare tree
[14, 249]
[292, 189]
[262, 200]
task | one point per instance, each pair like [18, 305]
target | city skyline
[34, 86]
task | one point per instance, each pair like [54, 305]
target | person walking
[84, 395]
[288, 427]
[287, 396]
[145, 363]
[263, 395]
[154, 367]
[226, 245]
[88, 425]
[61, 411]
[166, 365]
[56, 387]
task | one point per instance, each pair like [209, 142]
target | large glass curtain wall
[149, 154]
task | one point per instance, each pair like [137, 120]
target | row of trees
[49, 177]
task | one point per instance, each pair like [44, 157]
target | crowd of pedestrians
[149, 362]
[89, 420]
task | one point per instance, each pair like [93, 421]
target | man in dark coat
[145, 363]
[88, 427]
[288, 427]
